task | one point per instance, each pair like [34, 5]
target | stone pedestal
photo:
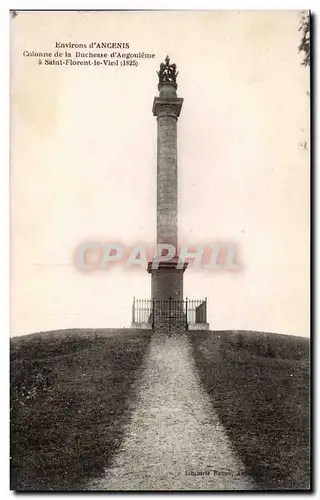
[167, 280]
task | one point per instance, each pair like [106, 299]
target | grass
[259, 385]
[70, 399]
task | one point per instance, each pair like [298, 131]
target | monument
[167, 307]
[167, 280]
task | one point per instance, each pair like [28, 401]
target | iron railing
[171, 311]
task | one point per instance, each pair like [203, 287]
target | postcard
[160, 241]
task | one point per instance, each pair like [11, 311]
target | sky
[83, 165]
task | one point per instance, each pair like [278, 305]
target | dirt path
[174, 432]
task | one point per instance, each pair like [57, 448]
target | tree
[304, 46]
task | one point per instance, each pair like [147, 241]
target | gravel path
[174, 440]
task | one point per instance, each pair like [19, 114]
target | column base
[167, 280]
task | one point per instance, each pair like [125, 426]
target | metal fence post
[153, 311]
[187, 313]
[205, 310]
[133, 306]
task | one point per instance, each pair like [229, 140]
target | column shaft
[167, 182]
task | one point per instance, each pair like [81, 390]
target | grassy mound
[259, 385]
[70, 398]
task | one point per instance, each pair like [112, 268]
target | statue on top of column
[168, 72]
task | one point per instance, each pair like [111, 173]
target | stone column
[167, 280]
[167, 179]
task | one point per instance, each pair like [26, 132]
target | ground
[174, 440]
[259, 386]
[70, 397]
[86, 404]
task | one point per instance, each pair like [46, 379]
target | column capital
[170, 106]
[167, 265]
